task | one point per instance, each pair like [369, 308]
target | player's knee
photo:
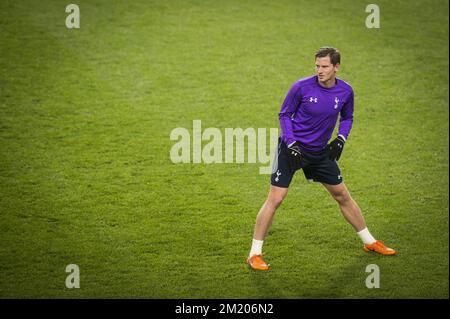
[275, 200]
[342, 197]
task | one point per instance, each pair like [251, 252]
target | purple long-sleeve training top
[309, 113]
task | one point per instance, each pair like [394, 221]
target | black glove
[335, 148]
[295, 154]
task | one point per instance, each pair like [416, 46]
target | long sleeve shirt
[310, 111]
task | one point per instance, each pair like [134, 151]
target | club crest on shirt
[336, 101]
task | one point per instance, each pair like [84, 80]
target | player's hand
[295, 154]
[335, 148]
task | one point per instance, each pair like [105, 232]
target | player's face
[326, 71]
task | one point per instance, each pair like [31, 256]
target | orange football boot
[257, 263]
[380, 248]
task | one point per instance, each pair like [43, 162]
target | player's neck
[329, 83]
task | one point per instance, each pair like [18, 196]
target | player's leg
[348, 207]
[352, 213]
[262, 225]
[282, 173]
[267, 211]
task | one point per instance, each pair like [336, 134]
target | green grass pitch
[85, 172]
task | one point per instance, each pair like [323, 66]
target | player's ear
[336, 67]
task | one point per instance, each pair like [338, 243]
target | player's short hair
[333, 53]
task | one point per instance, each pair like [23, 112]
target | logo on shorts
[311, 99]
[277, 179]
[339, 176]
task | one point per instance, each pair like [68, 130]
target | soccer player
[307, 118]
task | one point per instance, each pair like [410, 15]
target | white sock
[256, 247]
[366, 236]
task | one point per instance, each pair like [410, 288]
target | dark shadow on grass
[266, 284]
[350, 281]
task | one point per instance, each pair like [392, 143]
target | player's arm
[336, 147]
[288, 109]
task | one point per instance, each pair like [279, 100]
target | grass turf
[86, 177]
